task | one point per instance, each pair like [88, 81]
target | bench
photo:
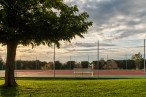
[83, 70]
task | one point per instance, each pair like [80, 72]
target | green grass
[76, 88]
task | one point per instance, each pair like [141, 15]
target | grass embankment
[65, 88]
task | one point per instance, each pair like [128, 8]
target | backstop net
[113, 62]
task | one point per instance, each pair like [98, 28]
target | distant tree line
[136, 62]
[36, 64]
[110, 64]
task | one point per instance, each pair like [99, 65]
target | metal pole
[54, 60]
[5, 55]
[88, 61]
[107, 62]
[98, 54]
[126, 61]
[20, 62]
[144, 57]
[70, 62]
[36, 63]
[16, 64]
[98, 57]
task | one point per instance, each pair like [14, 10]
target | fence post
[54, 60]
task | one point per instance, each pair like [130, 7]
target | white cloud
[121, 23]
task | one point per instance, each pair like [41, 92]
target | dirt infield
[71, 72]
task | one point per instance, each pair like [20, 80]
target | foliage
[36, 22]
[137, 58]
[70, 64]
[102, 62]
[74, 88]
[122, 64]
[29, 64]
[97, 65]
[32, 64]
[85, 64]
[58, 65]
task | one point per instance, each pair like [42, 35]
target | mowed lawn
[66, 88]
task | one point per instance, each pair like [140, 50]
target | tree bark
[10, 65]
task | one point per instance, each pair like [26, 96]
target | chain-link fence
[123, 60]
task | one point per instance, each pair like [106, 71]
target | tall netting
[124, 60]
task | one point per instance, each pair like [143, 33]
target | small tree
[102, 63]
[137, 58]
[58, 65]
[70, 64]
[35, 22]
[85, 64]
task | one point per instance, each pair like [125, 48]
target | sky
[118, 25]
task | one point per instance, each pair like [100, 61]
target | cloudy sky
[119, 25]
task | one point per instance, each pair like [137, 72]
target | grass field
[66, 88]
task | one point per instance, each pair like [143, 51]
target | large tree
[35, 22]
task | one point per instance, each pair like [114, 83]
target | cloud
[82, 50]
[119, 25]
[92, 44]
[119, 18]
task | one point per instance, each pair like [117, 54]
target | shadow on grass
[8, 91]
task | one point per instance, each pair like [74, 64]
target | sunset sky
[119, 25]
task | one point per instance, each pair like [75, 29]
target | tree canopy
[35, 22]
[38, 22]
[137, 58]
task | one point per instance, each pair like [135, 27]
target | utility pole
[54, 60]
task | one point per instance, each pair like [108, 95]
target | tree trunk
[10, 65]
